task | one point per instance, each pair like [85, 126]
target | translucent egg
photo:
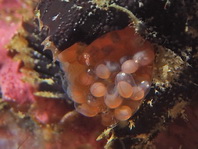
[129, 66]
[144, 57]
[123, 113]
[125, 77]
[87, 110]
[124, 89]
[138, 93]
[98, 89]
[102, 71]
[113, 100]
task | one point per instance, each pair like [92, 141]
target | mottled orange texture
[107, 74]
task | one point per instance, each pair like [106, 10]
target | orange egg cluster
[111, 76]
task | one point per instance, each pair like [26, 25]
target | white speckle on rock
[55, 17]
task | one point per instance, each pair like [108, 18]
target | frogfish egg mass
[106, 77]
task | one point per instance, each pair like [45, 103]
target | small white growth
[76, 6]
[55, 17]
[140, 4]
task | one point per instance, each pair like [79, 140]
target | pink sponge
[12, 87]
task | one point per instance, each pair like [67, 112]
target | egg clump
[109, 77]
